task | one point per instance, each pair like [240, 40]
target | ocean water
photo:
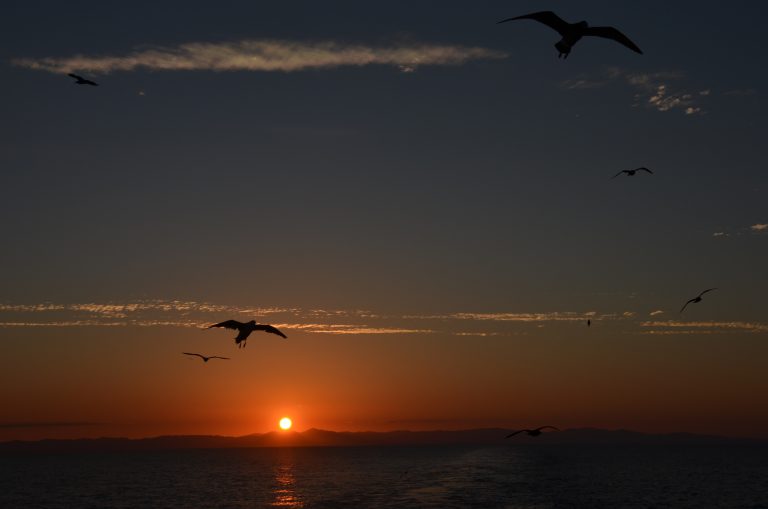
[515, 476]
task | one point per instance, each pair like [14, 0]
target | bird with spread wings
[631, 173]
[572, 32]
[696, 299]
[205, 359]
[82, 81]
[244, 330]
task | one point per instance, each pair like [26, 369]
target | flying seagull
[205, 359]
[696, 299]
[82, 81]
[531, 432]
[631, 173]
[589, 322]
[245, 329]
[572, 32]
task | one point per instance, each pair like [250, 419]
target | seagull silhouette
[205, 359]
[572, 32]
[696, 299]
[589, 322]
[532, 432]
[245, 329]
[82, 81]
[631, 173]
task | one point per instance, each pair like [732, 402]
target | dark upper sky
[481, 186]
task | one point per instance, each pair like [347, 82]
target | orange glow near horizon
[285, 423]
[131, 382]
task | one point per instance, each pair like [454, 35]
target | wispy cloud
[557, 316]
[583, 83]
[679, 327]
[758, 228]
[265, 55]
[340, 322]
[658, 90]
[179, 313]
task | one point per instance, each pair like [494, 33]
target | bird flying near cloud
[572, 32]
[82, 81]
[245, 329]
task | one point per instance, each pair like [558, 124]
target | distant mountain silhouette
[323, 438]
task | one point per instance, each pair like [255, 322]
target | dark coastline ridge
[323, 438]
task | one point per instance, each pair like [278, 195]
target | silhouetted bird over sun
[205, 359]
[631, 173]
[82, 81]
[532, 432]
[245, 329]
[696, 299]
[572, 32]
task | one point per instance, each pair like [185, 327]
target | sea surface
[515, 476]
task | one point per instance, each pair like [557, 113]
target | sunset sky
[421, 199]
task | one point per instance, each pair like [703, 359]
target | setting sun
[285, 423]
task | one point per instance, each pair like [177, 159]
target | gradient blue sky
[478, 188]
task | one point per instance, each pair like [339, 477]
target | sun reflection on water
[284, 489]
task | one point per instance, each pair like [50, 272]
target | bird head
[252, 322]
[582, 25]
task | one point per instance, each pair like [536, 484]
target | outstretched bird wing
[644, 169]
[195, 354]
[75, 76]
[549, 18]
[707, 290]
[612, 33]
[545, 427]
[515, 433]
[686, 305]
[622, 171]
[229, 324]
[217, 357]
[270, 329]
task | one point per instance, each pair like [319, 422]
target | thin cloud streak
[566, 316]
[678, 327]
[191, 314]
[266, 56]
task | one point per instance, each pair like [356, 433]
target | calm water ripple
[514, 477]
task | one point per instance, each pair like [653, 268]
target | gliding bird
[245, 329]
[631, 173]
[205, 359]
[82, 81]
[532, 432]
[696, 299]
[572, 32]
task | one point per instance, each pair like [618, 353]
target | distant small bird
[572, 32]
[589, 322]
[532, 432]
[82, 81]
[631, 173]
[696, 299]
[205, 359]
[245, 329]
